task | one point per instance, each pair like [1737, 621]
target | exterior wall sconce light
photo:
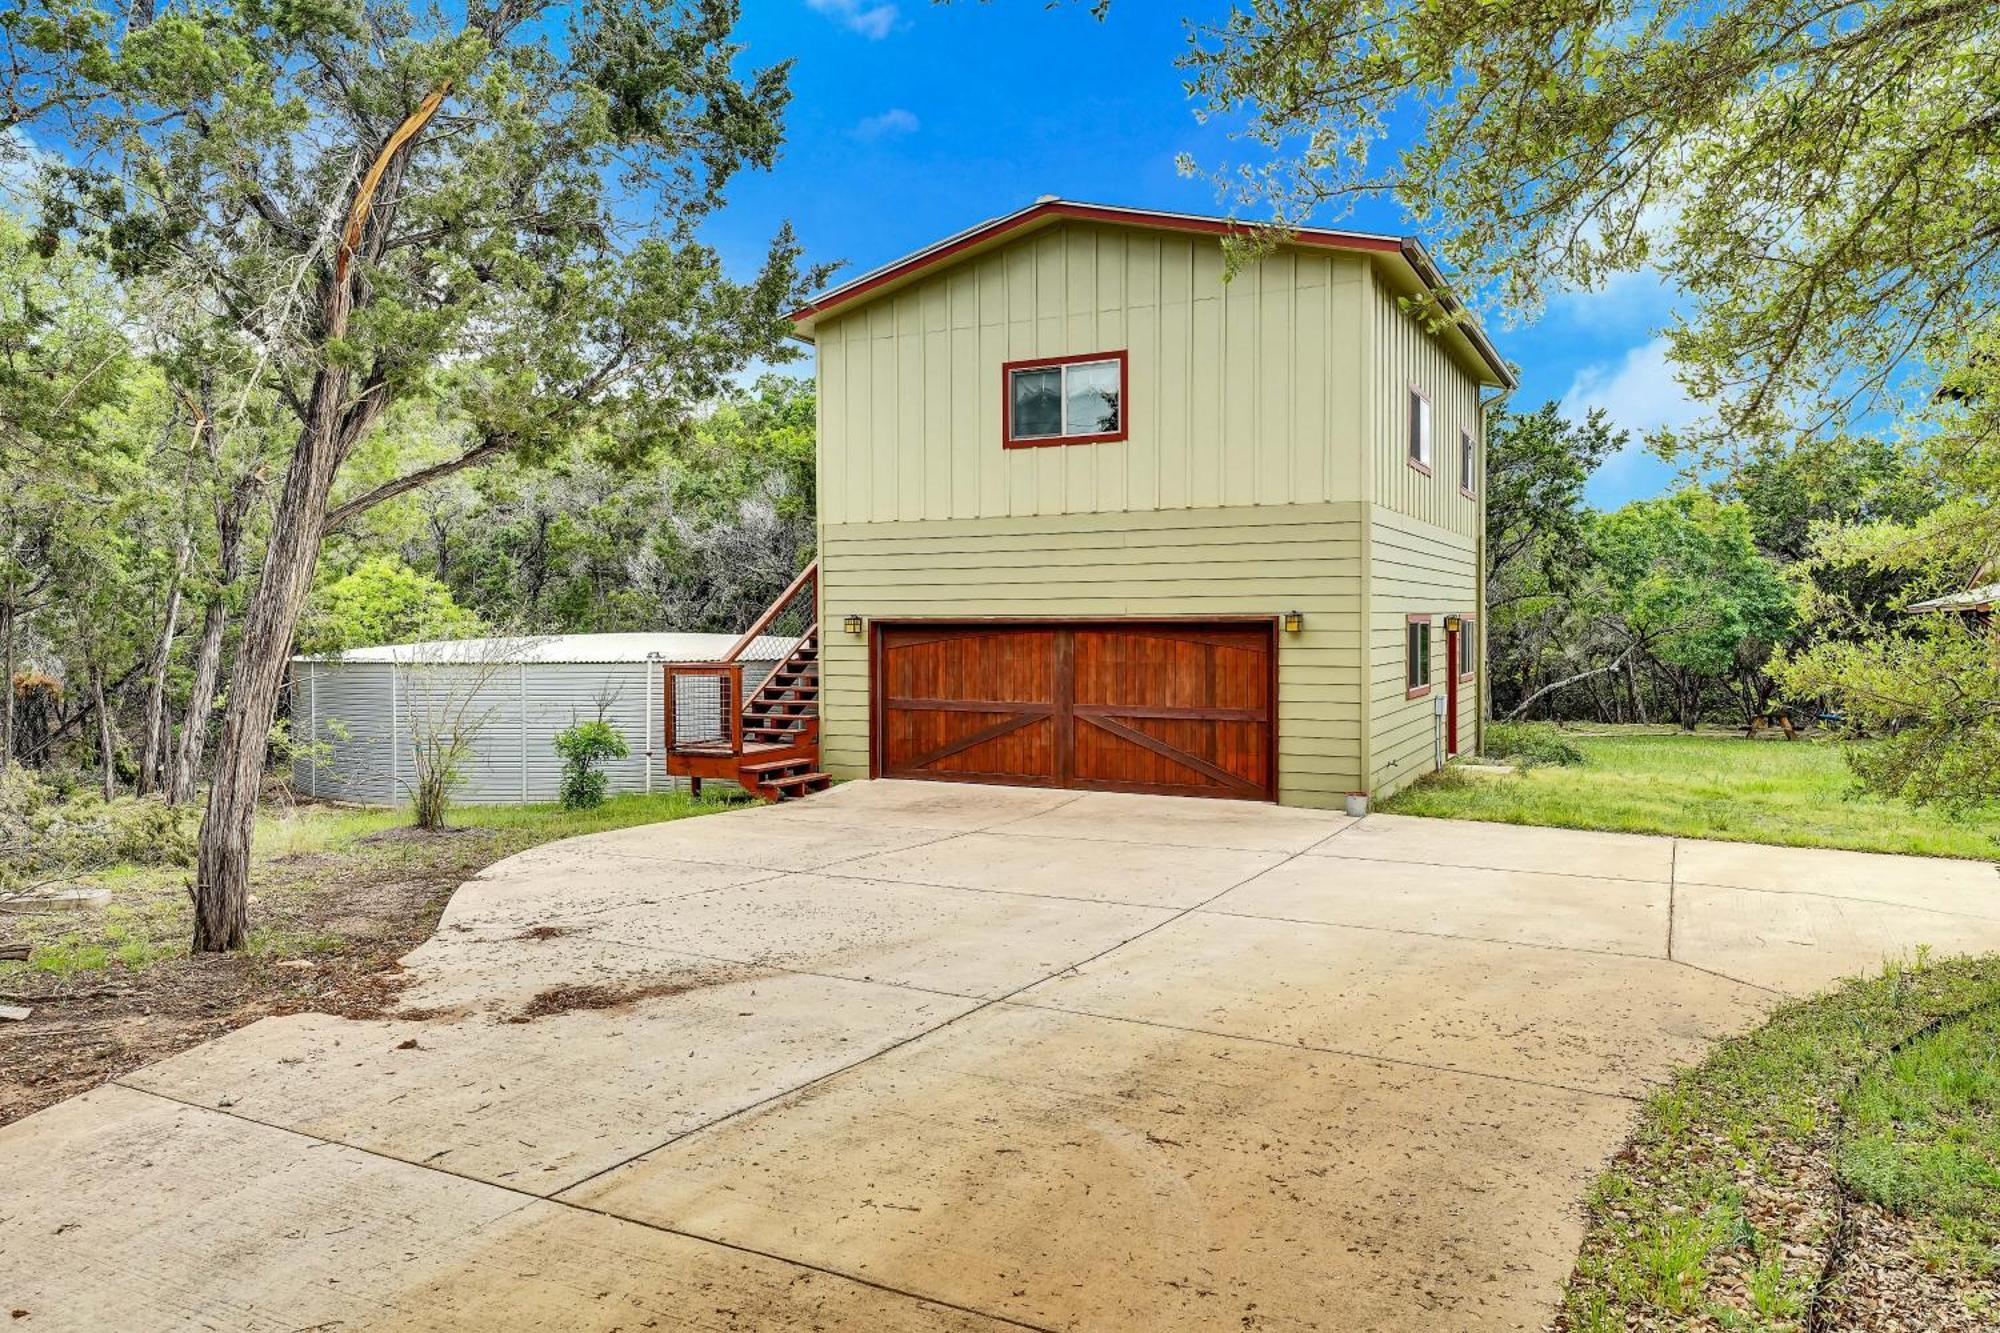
[1453, 624]
[852, 624]
[1294, 621]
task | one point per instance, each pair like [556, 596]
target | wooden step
[798, 784]
[781, 767]
[794, 695]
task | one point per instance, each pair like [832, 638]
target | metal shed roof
[555, 648]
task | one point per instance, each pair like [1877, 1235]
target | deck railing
[704, 700]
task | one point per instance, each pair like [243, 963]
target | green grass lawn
[1886, 1092]
[1707, 785]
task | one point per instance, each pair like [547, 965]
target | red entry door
[1451, 660]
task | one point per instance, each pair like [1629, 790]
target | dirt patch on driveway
[572, 997]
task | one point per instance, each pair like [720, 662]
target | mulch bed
[1844, 1264]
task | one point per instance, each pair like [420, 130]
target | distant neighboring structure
[1973, 601]
[364, 709]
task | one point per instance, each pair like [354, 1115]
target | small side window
[1420, 429]
[1468, 461]
[1417, 657]
[1468, 648]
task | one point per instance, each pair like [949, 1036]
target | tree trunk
[222, 871]
[186, 764]
[7, 621]
[230, 512]
[1687, 696]
[153, 738]
[333, 419]
[7, 680]
[106, 751]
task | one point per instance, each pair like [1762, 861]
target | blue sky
[912, 120]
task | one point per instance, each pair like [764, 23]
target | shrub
[45, 838]
[1531, 743]
[583, 747]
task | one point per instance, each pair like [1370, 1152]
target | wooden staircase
[769, 744]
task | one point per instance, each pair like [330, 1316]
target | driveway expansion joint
[1028, 1135]
[529, 1199]
[981, 1007]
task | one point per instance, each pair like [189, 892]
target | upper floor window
[1065, 399]
[1468, 459]
[1420, 429]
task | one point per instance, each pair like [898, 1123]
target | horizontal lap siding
[1248, 561]
[1416, 569]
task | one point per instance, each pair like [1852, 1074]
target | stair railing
[704, 700]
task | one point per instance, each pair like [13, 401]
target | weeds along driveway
[925, 1057]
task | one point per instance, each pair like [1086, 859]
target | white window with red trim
[1417, 657]
[1064, 400]
[1468, 648]
[1422, 446]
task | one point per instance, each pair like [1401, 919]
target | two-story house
[1095, 513]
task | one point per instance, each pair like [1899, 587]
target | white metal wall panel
[519, 709]
[349, 718]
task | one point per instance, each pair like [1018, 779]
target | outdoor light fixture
[1453, 624]
[1294, 621]
[852, 624]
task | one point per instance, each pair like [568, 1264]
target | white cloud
[890, 124]
[872, 21]
[1638, 301]
[1638, 392]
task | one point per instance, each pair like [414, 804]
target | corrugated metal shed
[567, 648]
[366, 710]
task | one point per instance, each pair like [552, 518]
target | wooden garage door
[1122, 706]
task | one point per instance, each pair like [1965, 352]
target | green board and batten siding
[1256, 445]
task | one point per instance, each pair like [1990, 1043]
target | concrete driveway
[921, 1057]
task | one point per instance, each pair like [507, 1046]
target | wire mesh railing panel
[702, 707]
[797, 615]
[786, 622]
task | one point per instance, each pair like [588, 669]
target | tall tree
[1541, 624]
[1537, 464]
[63, 357]
[1684, 575]
[499, 205]
[232, 476]
[1818, 179]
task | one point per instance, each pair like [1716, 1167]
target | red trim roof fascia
[1408, 249]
